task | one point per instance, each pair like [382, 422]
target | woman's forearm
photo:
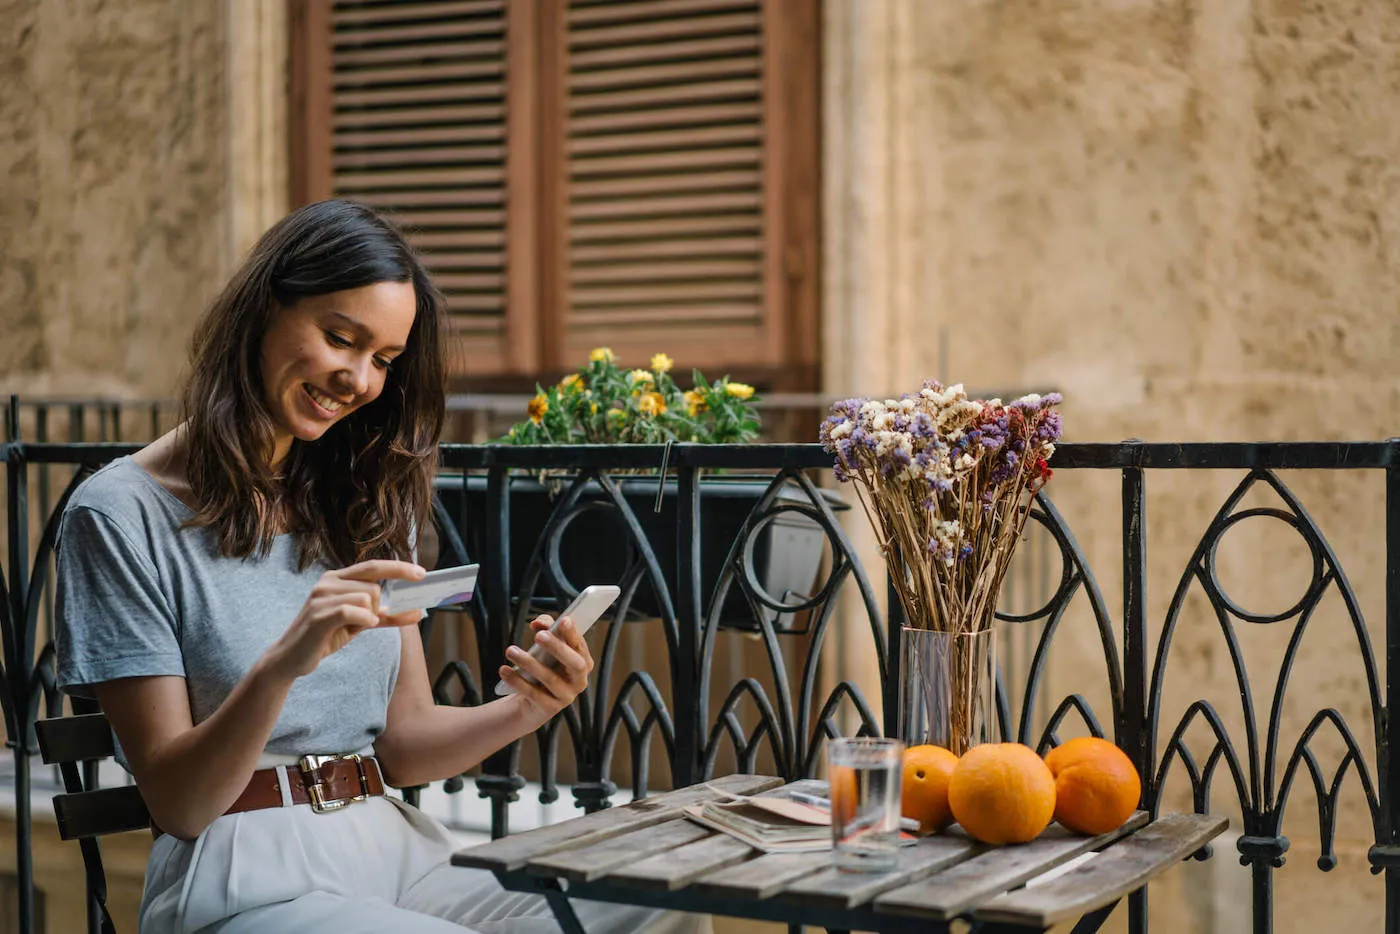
[437, 741]
[190, 779]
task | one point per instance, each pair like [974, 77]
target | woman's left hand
[559, 683]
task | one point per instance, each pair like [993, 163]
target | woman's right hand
[343, 604]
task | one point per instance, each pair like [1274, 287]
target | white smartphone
[442, 587]
[584, 611]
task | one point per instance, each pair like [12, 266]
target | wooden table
[647, 853]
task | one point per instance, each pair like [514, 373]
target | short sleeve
[112, 618]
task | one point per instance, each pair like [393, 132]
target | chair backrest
[68, 742]
[85, 812]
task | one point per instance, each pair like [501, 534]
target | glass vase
[947, 688]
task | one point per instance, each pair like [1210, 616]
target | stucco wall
[113, 190]
[1184, 216]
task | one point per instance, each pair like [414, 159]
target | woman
[218, 595]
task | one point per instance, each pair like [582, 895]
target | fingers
[381, 569]
[568, 665]
[566, 644]
[354, 611]
[543, 621]
[338, 588]
[535, 693]
[569, 634]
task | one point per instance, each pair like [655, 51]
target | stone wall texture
[1183, 215]
[113, 190]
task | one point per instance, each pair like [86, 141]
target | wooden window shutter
[425, 110]
[685, 179]
[636, 173]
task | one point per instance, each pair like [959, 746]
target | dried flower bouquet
[947, 482]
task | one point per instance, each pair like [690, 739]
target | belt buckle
[316, 789]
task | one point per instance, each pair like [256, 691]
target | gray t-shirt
[137, 594]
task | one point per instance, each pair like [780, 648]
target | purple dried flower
[850, 408]
[1048, 430]
[1006, 466]
[830, 424]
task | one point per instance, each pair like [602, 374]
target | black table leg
[559, 904]
[1094, 919]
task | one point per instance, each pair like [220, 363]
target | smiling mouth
[331, 407]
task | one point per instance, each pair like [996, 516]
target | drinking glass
[865, 775]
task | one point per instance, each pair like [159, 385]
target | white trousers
[375, 866]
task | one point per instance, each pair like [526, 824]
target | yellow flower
[617, 416]
[640, 378]
[661, 363]
[537, 407]
[694, 403]
[652, 403]
[603, 354]
[592, 408]
[572, 381]
[739, 390]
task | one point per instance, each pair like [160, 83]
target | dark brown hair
[362, 488]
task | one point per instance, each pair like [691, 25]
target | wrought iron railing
[696, 721]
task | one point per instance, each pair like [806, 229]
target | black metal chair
[85, 812]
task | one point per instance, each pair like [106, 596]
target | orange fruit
[1002, 793]
[1096, 786]
[927, 770]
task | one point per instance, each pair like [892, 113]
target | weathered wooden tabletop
[647, 853]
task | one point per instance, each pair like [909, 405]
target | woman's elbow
[180, 826]
[397, 769]
[184, 820]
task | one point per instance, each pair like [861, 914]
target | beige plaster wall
[1183, 214]
[142, 141]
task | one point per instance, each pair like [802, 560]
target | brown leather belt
[327, 783]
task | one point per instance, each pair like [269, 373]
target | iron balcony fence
[677, 717]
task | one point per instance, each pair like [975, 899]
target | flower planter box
[595, 546]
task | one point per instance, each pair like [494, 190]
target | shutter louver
[419, 130]
[663, 133]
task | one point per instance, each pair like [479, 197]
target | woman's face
[328, 355]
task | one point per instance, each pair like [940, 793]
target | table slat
[1120, 869]
[587, 863]
[957, 888]
[511, 853]
[761, 877]
[834, 888]
[671, 871]
[679, 867]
